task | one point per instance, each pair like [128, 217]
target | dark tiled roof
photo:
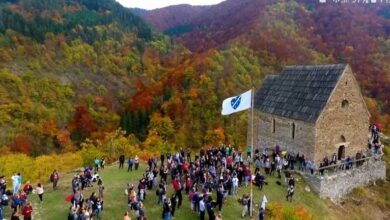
[299, 92]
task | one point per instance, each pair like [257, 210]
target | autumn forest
[84, 75]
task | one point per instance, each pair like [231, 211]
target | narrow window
[273, 125]
[293, 130]
[344, 103]
[342, 139]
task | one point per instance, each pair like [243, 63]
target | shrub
[303, 214]
[89, 152]
[44, 165]
[274, 210]
[13, 163]
[38, 169]
[289, 214]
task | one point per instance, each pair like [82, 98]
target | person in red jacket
[188, 184]
[27, 211]
[178, 188]
[27, 188]
[186, 167]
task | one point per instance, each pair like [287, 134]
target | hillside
[77, 69]
[171, 17]
[57, 55]
[85, 79]
[205, 29]
[299, 32]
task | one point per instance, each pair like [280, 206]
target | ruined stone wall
[340, 125]
[303, 141]
[336, 185]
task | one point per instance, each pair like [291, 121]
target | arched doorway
[341, 152]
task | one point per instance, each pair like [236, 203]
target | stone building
[314, 110]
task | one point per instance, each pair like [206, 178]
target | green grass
[115, 203]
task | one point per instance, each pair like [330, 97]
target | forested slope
[77, 69]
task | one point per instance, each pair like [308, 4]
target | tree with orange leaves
[22, 144]
[82, 124]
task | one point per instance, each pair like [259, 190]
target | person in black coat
[162, 158]
[261, 214]
[121, 161]
[210, 208]
[173, 204]
[220, 194]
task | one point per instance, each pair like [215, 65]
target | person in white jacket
[235, 184]
[40, 191]
[15, 183]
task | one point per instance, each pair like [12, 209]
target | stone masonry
[338, 125]
[336, 185]
[303, 141]
[311, 110]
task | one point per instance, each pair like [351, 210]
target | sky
[152, 4]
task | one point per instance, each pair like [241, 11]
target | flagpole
[252, 105]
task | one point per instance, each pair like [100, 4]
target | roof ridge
[335, 66]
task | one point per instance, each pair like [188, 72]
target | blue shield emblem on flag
[235, 102]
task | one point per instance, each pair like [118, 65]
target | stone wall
[336, 185]
[265, 137]
[340, 125]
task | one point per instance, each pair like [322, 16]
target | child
[40, 192]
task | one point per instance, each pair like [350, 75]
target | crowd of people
[205, 180]
[87, 208]
[217, 171]
[18, 197]
[336, 163]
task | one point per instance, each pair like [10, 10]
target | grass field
[115, 204]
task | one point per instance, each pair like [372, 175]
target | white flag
[264, 202]
[237, 103]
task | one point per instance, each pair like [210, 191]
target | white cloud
[152, 4]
